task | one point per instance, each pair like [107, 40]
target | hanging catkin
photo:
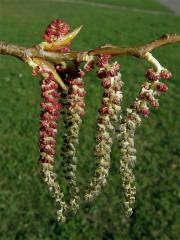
[112, 96]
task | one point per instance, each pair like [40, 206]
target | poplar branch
[81, 56]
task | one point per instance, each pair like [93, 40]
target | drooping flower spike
[150, 91]
[125, 138]
[112, 96]
[73, 102]
[50, 92]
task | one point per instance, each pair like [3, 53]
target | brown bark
[57, 57]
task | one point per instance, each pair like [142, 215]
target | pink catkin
[47, 138]
[152, 75]
[56, 30]
[162, 87]
[48, 118]
[150, 91]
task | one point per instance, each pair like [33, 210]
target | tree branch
[57, 57]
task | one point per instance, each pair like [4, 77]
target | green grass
[26, 210]
[139, 4]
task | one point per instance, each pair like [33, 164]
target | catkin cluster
[62, 91]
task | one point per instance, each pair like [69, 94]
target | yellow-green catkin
[108, 112]
[73, 112]
[125, 137]
[50, 179]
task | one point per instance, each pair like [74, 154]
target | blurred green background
[26, 209]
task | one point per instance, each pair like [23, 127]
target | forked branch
[81, 56]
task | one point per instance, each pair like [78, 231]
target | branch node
[84, 57]
[27, 54]
[168, 36]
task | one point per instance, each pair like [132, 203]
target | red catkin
[162, 87]
[49, 116]
[152, 75]
[56, 29]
